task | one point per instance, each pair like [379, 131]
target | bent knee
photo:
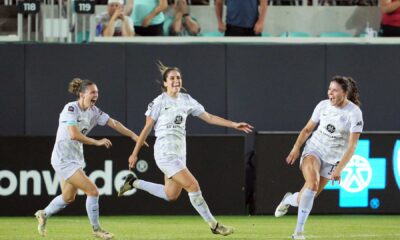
[69, 199]
[312, 184]
[193, 186]
[93, 192]
[172, 198]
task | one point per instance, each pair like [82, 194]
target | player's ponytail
[78, 85]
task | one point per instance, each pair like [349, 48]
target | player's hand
[104, 142]
[336, 176]
[242, 126]
[293, 155]
[135, 138]
[132, 161]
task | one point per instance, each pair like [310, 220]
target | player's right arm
[303, 136]
[76, 135]
[142, 138]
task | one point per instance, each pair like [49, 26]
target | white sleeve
[196, 108]
[154, 109]
[69, 115]
[102, 117]
[317, 112]
[356, 121]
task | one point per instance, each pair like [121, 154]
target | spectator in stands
[181, 23]
[390, 21]
[114, 22]
[243, 18]
[148, 16]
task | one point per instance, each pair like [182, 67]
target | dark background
[273, 86]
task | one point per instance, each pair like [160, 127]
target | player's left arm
[353, 140]
[119, 127]
[219, 121]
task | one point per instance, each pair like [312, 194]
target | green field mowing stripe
[336, 227]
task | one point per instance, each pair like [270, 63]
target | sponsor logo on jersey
[178, 119]
[330, 128]
[71, 108]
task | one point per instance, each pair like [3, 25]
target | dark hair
[164, 70]
[78, 85]
[349, 85]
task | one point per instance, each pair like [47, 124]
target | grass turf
[351, 227]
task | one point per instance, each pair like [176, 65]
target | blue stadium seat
[335, 34]
[265, 34]
[295, 34]
[212, 34]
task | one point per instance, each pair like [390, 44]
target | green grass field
[192, 227]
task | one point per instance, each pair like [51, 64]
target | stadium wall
[273, 86]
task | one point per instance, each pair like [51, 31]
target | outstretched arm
[119, 127]
[303, 136]
[142, 138]
[215, 120]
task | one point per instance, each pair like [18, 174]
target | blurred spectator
[148, 16]
[243, 17]
[181, 23]
[114, 22]
[390, 21]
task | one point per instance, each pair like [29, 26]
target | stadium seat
[295, 34]
[212, 34]
[335, 34]
[83, 37]
[265, 34]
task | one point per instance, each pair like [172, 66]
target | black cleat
[128, 184]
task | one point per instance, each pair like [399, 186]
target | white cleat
[42, 220]
[282, 208]
[103, 234]
[298, 235]
[222, 230]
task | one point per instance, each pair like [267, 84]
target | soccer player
[75, 122]
[329, 149]
[168, 113]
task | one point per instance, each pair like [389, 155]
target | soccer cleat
[298, 236]
[128, 184]
[222, 230]
[101, 233]
[42, 220]
[282, 208]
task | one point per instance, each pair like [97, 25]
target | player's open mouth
[93, 101]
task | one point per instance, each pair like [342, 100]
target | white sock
[152, 188]
[92, 209]
[292, 200]
[201, 207]
[305, 206]
[56, 205]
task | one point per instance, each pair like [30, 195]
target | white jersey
[170, 128]
[335, 125]
[66, 150]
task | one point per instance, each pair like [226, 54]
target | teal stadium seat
[265, 34]
[335, 34]
[295, 34]
[212, 34]
[83, 37]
